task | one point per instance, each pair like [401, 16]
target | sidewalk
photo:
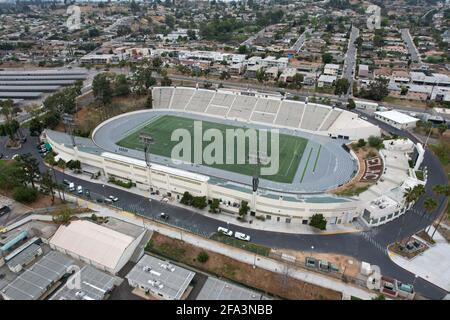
[266, 263]
[232, 219]
[432, 265]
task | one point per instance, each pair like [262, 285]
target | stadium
[314, 157]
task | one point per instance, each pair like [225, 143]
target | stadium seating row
[285, 113]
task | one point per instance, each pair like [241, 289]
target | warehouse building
[396, 119]
[159, 278]
[42, 277]
[94, 285]
[106, 247]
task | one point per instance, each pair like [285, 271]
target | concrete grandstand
[326, 162]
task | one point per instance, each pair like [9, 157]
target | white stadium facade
[331, 128]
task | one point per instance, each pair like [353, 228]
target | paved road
[366, 246]
[406, 36]
[350, 61]
[300, 41]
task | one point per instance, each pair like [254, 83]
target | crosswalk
[369, 236]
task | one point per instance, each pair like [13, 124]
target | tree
[318, 221]
[143, 79]
[24, 194]
[244, 208]
[341, 86]
[361, 143]
[377, 90]
[199, 202]
[243, 49]
[214, 205]
[48, 186]
[121, 87]
[149, 101]
[29, 166]
[224, 75]
[101, 87]
[441, 190]
[202, 257]
[327, 57]
[63, 216]
[261, 75]
[186, 198]
[351, 104]
[36, 127]
[375, 142]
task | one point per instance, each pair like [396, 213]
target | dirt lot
[222, 266]
[349, 264]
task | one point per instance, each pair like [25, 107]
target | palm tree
[441, 190]
[411, 195]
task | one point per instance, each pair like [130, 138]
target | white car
[115, 199]
[80, 190]
[225, 231]
[242, 236]
[364, 118]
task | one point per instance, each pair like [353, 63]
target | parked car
[242, 236]
[87, 193]
[66, 182]
[99, 200]
[80, 190]
[164, 216]
[225, 231]
[4, 210]
[71, 186]
[115, 199]
[108, 201]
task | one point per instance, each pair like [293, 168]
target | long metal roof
[20, 95]
[43, 77]
[28, 88]
[36, 280]
[95, 284]
[41, 72]
[36, 82]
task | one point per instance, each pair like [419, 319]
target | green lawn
[290, 153]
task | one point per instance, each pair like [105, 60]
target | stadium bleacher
[265, 110]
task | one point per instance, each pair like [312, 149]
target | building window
[278, 219]
[304, 221]
[288, 220]
[382, 219]
[268, 217]
[389, 216]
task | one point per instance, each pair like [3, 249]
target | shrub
[24, 194]
[202, 257]
[375, 142]
[318, 221]
[120, 183]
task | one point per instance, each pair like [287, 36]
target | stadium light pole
[147, 139]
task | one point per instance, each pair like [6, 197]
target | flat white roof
[396, 116]
[92, 241]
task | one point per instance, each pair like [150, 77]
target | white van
[225, 231]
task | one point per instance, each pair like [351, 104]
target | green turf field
[161, 128]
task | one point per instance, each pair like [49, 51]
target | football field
[291, 148]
